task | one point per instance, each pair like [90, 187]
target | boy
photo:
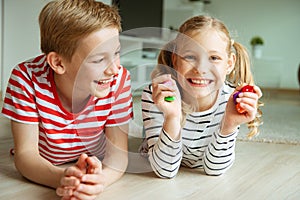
[73, 102]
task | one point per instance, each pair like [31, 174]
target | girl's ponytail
[242, 71]
[242, 74]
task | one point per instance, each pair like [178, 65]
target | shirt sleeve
[19, 102]
[121, 111]
[164, 153]
[220, 153]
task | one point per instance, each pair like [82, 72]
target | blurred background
[275, 21]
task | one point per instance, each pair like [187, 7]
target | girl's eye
[190, 58]
[215, 58]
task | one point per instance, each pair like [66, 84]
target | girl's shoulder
[228, 88]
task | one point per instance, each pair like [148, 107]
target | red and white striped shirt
[31, 98]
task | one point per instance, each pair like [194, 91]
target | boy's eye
[98, 60]
[117, 53]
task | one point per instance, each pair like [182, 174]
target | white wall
[1, 17]
[20, 34]
[276, 21]
[21, 37]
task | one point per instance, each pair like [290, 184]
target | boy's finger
[64, 192]
[93, 179]
[81, 163]
[73, 171]
[94, 165]
[90, 189]
[70, 181]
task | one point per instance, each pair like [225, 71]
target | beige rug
[281, 122]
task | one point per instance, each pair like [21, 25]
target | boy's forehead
[104, 39]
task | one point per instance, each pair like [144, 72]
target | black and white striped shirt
[200, 146]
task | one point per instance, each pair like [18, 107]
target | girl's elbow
[213, 173]
[165, 175]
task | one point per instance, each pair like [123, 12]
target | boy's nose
[112, 69]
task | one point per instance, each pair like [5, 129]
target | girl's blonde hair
[239, 75]
[64, 22]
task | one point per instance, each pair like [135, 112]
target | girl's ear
[55, 62]
[174, 60]
[231, 63]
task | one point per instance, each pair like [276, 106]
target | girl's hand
[164, 86]
[248, 101]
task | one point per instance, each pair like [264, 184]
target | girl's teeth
[200, 82]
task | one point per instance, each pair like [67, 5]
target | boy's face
[203, 63]
[95, 62]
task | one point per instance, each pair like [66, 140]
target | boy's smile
[100, 87]
[101, 63]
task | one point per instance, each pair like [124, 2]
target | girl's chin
[199, 92]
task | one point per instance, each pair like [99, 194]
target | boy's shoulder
[32, 64]
[35, 60]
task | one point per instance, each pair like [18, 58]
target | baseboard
[289, 95]
[282, 90]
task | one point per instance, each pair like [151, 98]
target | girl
[198, 127]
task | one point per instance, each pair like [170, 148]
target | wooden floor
[261, 171]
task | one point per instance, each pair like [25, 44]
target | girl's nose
[203, 66]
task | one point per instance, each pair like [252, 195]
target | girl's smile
[199, 82]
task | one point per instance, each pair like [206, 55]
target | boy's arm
[116, 156]
[27, 158]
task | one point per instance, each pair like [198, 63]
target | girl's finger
[161, 78]
[258, 91]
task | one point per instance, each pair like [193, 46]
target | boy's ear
[55, 62]
[231, 63]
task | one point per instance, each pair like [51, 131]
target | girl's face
[203, 63]
[98, 55]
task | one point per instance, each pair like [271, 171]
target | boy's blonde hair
[64, 22]
[240, 74]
